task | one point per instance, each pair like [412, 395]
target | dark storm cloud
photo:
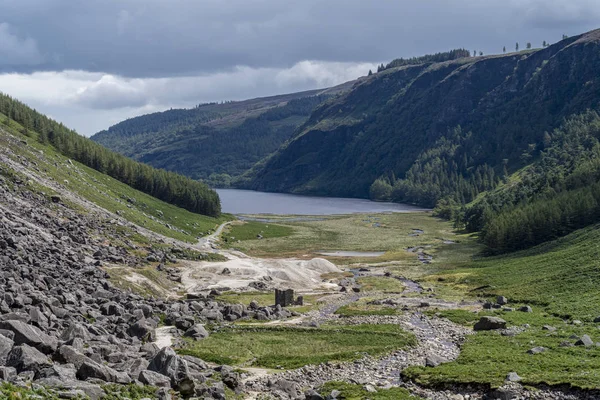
[92, 63]
[176, 37]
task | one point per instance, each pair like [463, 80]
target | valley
[428, 231]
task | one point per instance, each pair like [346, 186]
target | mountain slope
[172, 188]
[212, 139]
[503, 104]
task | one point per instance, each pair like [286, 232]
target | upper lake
[236, 201]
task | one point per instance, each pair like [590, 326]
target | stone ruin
[285, 298]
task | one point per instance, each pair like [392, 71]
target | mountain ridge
[349, 143]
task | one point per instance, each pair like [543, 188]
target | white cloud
[17, 51]
[89, 101]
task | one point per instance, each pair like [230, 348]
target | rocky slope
[64, 323]
[385, 123]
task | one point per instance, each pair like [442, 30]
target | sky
[91, 64]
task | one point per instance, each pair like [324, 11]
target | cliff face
[381, 126]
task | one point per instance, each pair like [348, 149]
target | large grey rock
[198, 332]
[8, 374]
[585, 340]
[154, 379]
[513, 377]
[144, 330]
[525, 309]
[92, 369]
[504, 394]
[489, 323]
[501, 300]
[6, 346]
[68, 354]
[291, 389]
[27, 358]
[169, 364]
[57, 373]
[536, 350]
[75, 330]
[434, 360]
[30, 335]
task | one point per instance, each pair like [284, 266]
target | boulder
[513, 377]
[6, 346]
[91, 369]
[27, 358]
[585, 341]
[169, 364]
[154, 379]
[291, 389]
[525, 309]
[434, 360]
[198, 332]
[501, 300]
[75, 330]
[30, 335]
[143, 330]
[536, 350]
[489, 323]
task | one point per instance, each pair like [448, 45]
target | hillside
[172, 188]
[446, 128]
[218, 139]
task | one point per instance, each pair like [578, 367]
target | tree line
[167, 186]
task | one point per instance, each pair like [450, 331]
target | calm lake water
[236, 201]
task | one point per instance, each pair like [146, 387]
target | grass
[250, 230]
[357, 392]
[132, 392]
[380, 284]
[263, 298]
[108, 193]
[487, 357]
[458, 316]
[559, 280]
[9, 391]
[356, 309]
[561, 276]
[359, 232]
[287, 347]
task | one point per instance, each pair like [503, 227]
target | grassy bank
[108, 193]
[559, 280]
[286, 347]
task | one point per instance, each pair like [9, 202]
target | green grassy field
[283, 347]
[561, 277]
[114, 196]
[380, 284]
[487, 357]
[560, 281]
[391, 233]
[357, 392]
[251, 229]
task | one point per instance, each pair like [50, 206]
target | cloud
[105, 99]
[157, 38]
[17, 51]
[549, 14]
[110, 92]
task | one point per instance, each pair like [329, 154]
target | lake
[236, 201]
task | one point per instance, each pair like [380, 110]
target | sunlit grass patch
[292, 347]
